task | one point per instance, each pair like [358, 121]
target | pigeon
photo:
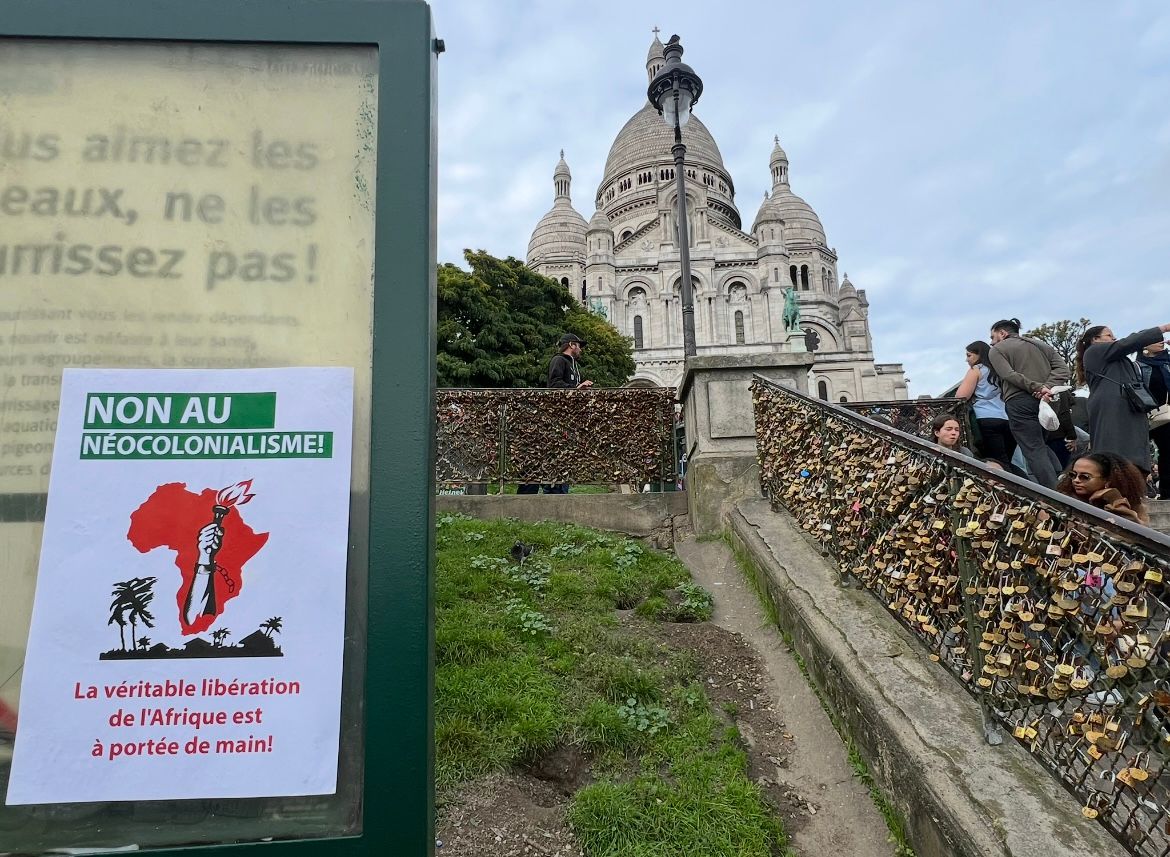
[521, 552]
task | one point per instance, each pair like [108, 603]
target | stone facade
[625, 262]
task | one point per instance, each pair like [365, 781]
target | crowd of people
[1022, 400]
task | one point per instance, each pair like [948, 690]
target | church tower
[557, 247]
[626, 260]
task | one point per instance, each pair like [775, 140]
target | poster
[178, 206]
[172, 205]
[188, 621]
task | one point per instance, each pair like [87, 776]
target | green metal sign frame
[398, 793]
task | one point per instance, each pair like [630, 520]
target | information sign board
[236, 193]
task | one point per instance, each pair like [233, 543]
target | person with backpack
[1028, 369]
[1118, 400]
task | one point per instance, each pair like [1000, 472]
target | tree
[140, 596]
[1062, 335]
[118, 607]
[144, 643]
[217, 637]
[271, 626]
[498, 325]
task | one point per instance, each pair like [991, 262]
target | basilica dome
[646, 139]
[560, 234]
[800, 221]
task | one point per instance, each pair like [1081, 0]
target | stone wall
[654, 517]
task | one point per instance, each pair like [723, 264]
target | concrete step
[1160, 515]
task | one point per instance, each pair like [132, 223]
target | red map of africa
[172, 518]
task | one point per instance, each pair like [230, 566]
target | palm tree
[140, 596]
[119, 606]
[144, 643]
[271, 626]
[217, 637]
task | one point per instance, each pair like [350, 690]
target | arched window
[792, 275]
[565, 282]
[739, 327]
[626, 234]
[812, 342]
[844, 398]
[583, 291]
[637, 331]
[823, 390]
[804, 278]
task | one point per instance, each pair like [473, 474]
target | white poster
[188, 623]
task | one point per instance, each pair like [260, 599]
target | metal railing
[538, 436]
[912, 416]
[1052, 613]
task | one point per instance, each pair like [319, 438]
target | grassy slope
[532, 657]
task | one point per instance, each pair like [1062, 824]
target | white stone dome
[801, 224]
[599, 222]
[560, 234]
[646, 139]
[800, 221]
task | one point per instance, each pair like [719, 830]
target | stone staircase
[1160, 515]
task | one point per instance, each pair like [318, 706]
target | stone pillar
[720, 425]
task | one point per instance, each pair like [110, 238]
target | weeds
[533, 656]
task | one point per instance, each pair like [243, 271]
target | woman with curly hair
[1109, 482]
[1103, 363]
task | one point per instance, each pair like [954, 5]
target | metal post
[503, 457]
[684, 241]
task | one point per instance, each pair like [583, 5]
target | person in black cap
[563, 373]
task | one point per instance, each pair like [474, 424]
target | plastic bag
[1048, 418]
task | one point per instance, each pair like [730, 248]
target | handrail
[1032, 490]
[1053, 613]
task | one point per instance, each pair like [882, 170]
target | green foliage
[604, 727]
[650, 719]
[498, 325]
[523, 667]
[531, 621]
[534, 574]
[696, 605]
[1062, 335]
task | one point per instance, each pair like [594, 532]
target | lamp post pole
[673, 91]
[679, 150]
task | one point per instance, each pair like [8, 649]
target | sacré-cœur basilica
[625, 262]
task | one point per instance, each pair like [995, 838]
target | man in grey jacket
[1028, 369]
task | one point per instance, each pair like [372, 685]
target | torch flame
[235, 495]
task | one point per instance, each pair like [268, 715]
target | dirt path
[839, 817]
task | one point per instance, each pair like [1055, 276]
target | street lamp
[673, 91]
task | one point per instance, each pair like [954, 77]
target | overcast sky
[969, 161]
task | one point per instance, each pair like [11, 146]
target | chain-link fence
[537, 436]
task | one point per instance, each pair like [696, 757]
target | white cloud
[966, 164]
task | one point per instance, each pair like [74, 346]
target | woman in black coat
[1103, 363]
[1154, 362]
